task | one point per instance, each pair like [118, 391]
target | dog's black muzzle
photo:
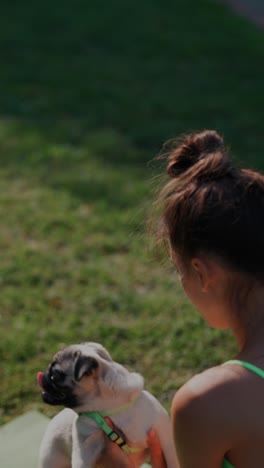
[54, 394]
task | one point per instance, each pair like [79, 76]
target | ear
[84, 365]
[202, 267]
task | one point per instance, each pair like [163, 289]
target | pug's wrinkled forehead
[75, 360]
[66, 354]
[87, 348]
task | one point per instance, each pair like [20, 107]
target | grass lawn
[88, 94]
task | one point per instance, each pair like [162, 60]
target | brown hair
[211, 206]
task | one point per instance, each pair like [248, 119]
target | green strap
[98, 417]
[116, 438]
[117, 410]
[247, 365]
[227, 464]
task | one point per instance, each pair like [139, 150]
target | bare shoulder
[207, 399]
[208, 384]
[204, 417]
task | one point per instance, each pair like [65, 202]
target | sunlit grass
[88, 95]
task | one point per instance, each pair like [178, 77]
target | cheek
[187, 287]
[194, 294]
[183, 280]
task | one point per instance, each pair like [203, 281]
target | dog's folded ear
[84, 365]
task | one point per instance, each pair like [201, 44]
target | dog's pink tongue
[40, 375]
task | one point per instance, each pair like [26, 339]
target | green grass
[89, 92]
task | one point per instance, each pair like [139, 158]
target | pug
[90, 385]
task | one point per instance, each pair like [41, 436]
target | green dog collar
[98, 417]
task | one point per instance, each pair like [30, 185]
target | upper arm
[199, 424]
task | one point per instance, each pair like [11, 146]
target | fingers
[157, 458]
[114, 452]
[112, 447]
[109, 422]
[124, 461]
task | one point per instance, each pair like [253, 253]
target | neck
[109, 404]
[112, 411]
[249, 328]
[253, 345]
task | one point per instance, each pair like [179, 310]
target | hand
[156, 454]
[114, 456]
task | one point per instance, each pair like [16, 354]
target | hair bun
[192, 149]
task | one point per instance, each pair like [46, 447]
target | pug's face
[73, 375]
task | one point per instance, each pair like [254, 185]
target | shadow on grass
[104, 168]
[115, 74]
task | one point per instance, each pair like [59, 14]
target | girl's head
[212, 209]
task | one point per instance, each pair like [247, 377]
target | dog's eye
[57, 376]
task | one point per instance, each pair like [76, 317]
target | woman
[213, 223]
